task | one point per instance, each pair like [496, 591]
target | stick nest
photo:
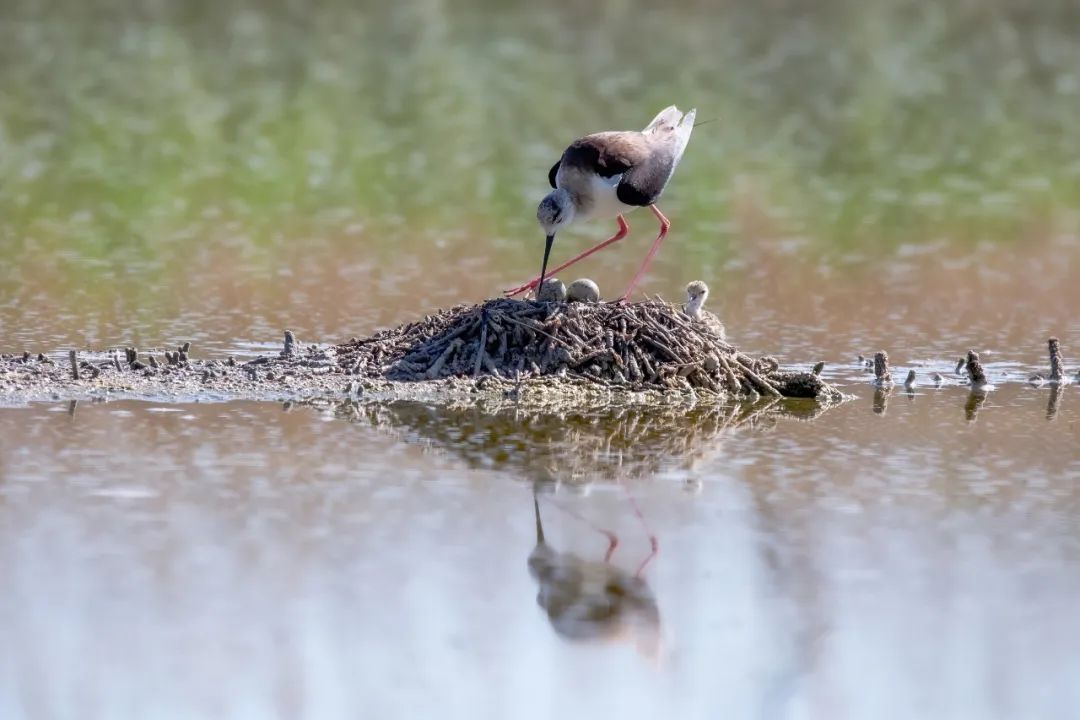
[648, 345]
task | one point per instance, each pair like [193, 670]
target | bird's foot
[531, 285]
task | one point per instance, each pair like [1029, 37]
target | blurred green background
[140, 130]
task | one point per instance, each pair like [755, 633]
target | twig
[480, 349]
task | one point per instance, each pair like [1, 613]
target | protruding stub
[1057, 372]
[960, 363]
[909, 382]
[818, 367]
[131, 354]
[936, 378]
[583, 290]
[290, 344]
[1037, 379]
[552, 290]
[881, 368]
[74, 358]
[153, 361]
[186, 348]
[975, 369]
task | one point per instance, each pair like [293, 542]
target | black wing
[642, 184]
[600, 154]
[645, 169]
[553, 172]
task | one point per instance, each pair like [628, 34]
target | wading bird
[594, 601]
[608, 174]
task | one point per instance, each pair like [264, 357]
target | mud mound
[642, 346]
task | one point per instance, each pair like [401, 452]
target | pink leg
[665, 225]
[623, 230]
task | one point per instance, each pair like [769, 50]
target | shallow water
[331, 562]
[883, 176]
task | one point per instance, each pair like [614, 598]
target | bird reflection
[594, 601]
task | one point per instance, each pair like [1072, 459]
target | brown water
[883, 176]
[899, 555]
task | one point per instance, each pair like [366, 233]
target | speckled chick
[697, 293]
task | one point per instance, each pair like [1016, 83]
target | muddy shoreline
[306, 376]
[533, 353]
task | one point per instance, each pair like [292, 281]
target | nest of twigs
[650, 345]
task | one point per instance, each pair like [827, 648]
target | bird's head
[555, 211]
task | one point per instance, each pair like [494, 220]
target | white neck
[693, 308]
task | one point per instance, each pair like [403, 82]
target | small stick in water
[975, 400]
[152, 360]
[74, 358]
[1052, 403]
[910, 381]
[882, 376]
[818, 367]
[936, 378]
[116, 360]
[960, 365]
[975, 369]
[1057, 373]
[185, 348]
[290, 344]
[881, 400]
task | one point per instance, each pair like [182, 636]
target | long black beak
[547, 252]
[539, 526]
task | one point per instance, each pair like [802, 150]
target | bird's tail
[671, 119]
[677, 126]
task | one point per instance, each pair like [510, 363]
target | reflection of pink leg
[613, 539]
[613, 542]
[654, 544]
